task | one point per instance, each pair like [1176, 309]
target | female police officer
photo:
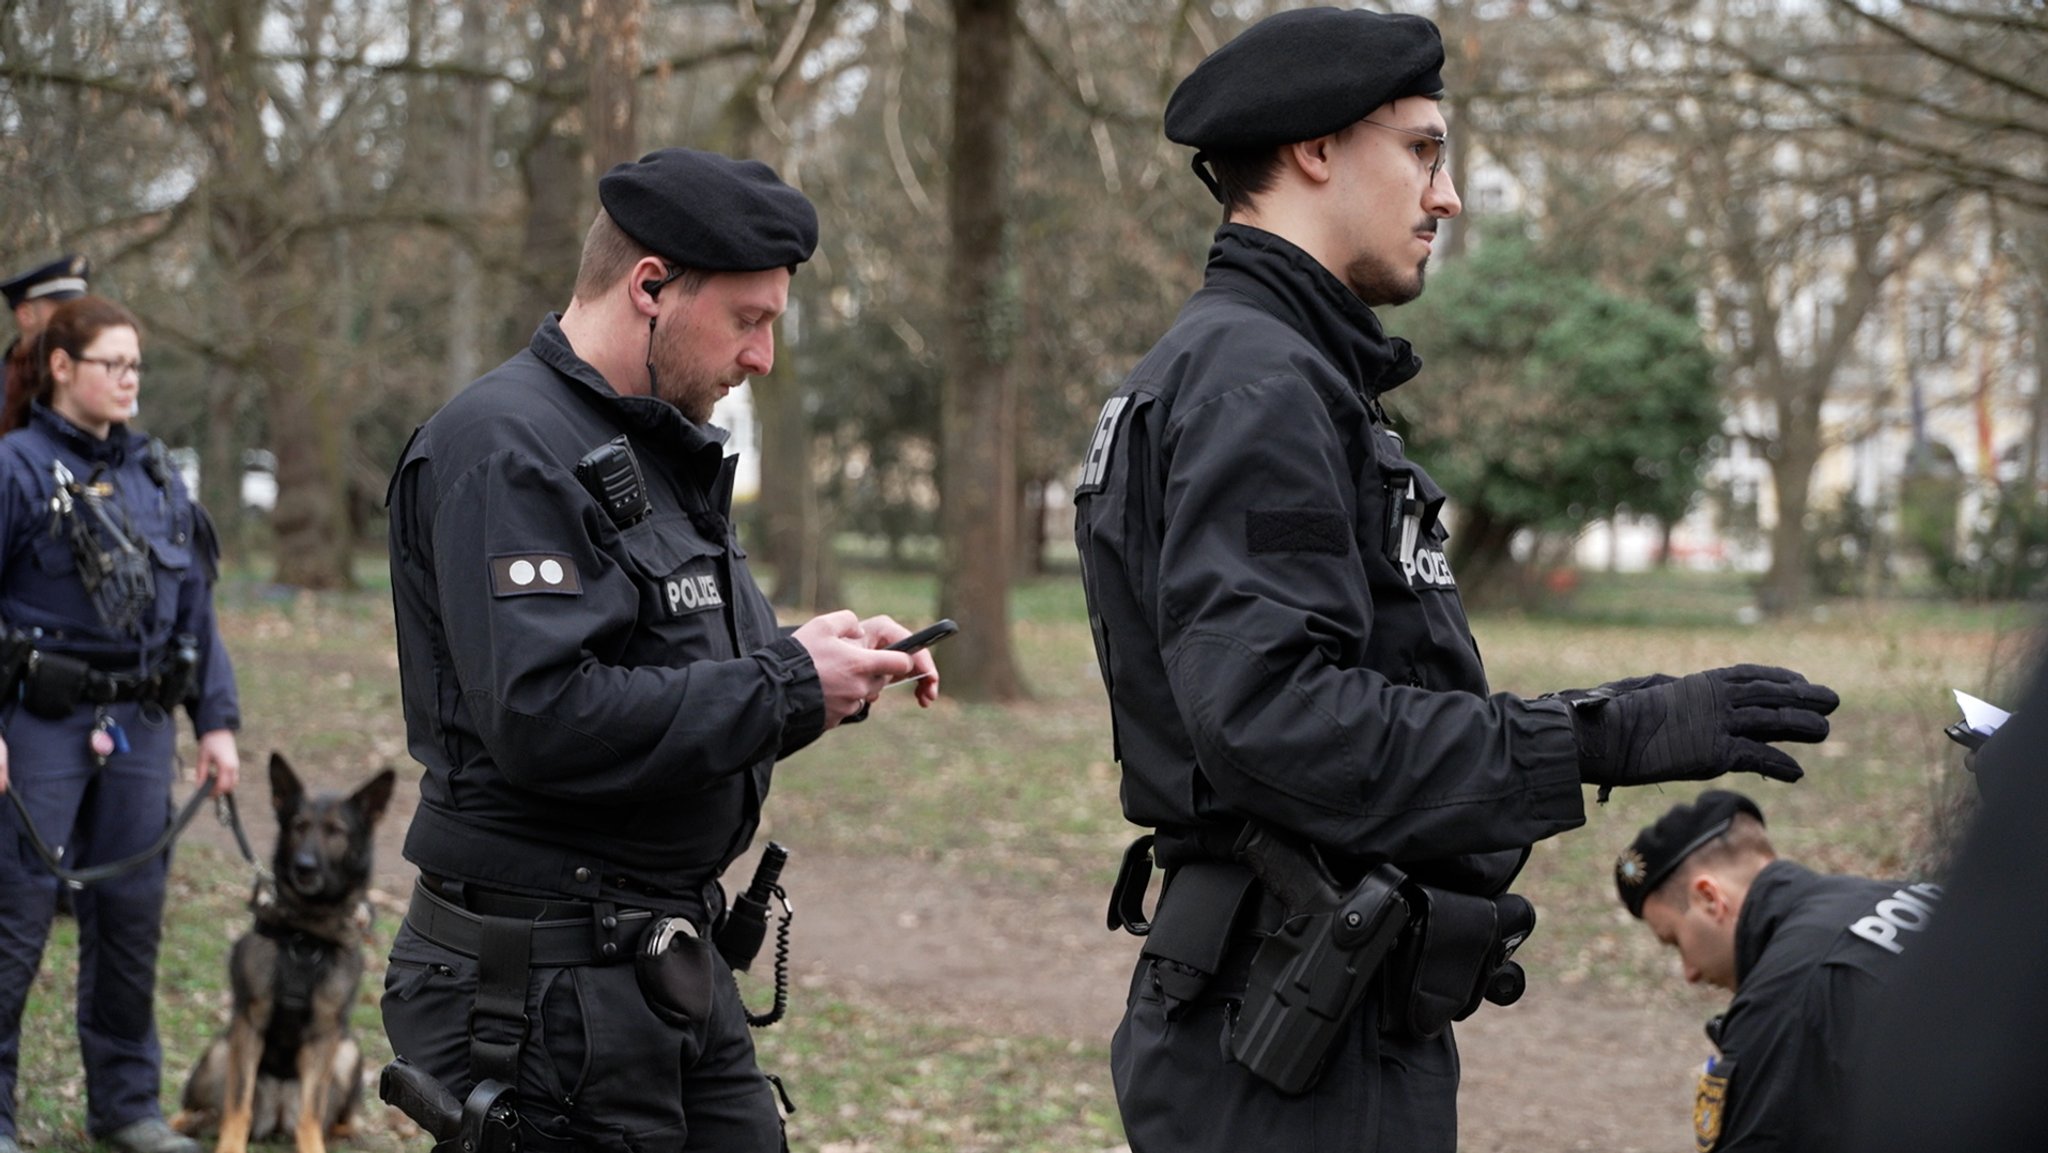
[106, 569]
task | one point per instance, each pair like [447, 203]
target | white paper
[1982, 716]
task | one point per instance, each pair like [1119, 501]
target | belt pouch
[1197, 917]
[675, 972]
[1432, 975]
[55, 685]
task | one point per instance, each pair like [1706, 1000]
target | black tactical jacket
[1813, 957]
[1279, 632]
[597, 707]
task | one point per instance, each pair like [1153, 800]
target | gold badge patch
[1708, 1105]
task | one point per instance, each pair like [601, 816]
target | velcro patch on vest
[530, 573]
[686, 593]
[1297, 530]
[1096, 465]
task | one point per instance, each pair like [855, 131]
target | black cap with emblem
[1302, 74]
[710, 212]
[62, 279]
[1678, 834]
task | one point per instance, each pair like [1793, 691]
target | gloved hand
[1649, 729]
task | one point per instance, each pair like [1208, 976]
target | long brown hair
[72, 327]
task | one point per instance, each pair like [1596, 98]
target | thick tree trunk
[795, 541]
[250, 236]
[978, 406]
[1481, 559]
[1788, 586]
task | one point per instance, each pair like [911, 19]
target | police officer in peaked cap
[598, 690]
[1283, 644]
[32, 296]
[1809, 959]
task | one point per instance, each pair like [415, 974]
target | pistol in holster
[1308, 977]
[485, 1123]
[15, 648]
[177, 674]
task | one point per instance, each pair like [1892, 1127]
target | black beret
[61, 279]
[710, 212]
[1304, 74]
[1662, 847]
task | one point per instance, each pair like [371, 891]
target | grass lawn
[1027, 794]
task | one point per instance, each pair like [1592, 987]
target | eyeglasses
[115, 368]
[1433, 158]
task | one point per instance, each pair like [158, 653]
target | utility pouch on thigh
[1197, 918]
[1456, 955]
[675, 971]
[54, 684]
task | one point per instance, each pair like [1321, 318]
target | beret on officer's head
[62, 279]
[1659, 849]
[1304, 74]
[709, 212]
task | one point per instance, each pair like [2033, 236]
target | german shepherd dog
[286, 1061]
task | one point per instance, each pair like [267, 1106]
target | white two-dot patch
[519, 574]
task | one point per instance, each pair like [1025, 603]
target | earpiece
[653, 287]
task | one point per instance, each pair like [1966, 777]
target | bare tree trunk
[468, 164]
[2037, 409]
[796, 541]
[250, 235]
[978, 403]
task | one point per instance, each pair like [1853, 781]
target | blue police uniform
[99, 809]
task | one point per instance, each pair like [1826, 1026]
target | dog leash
[224, 806]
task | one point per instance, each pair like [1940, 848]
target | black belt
[558, 942]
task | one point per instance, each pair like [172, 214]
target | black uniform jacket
[1281, 636]
[597, 706]
[1813, 957]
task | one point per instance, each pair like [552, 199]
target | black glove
[1695, 728]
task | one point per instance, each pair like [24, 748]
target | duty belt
[598, 934]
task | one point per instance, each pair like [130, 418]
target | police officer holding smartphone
[598, 690]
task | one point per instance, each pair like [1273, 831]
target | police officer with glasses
[107, 567]
[1300, 711]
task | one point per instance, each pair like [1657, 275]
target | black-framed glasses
[115, 368]
[1432, 158]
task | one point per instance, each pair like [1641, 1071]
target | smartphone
[925, 637]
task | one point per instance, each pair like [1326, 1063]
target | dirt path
[1558, 1073]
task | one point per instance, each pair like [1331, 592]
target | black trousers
[599, 1071]
[1180, 1092]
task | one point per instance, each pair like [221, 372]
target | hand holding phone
[925, 637]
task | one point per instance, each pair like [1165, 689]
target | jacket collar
[1292, 285]
[655, 421]
[1771, 898]
[115, 450]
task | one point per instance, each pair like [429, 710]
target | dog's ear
[372, 797]
[285, 790]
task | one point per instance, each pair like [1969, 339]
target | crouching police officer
[1809, 959]
[1295, 690]
[106, 593]
[598, 689]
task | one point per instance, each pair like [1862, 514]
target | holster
[54, 684]
[1448, 961]
[15, 647]
[1308, 978]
